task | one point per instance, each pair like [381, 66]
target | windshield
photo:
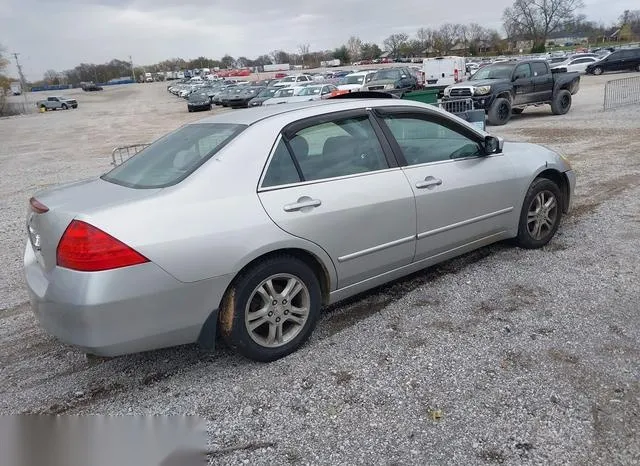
[354, 79]
[493, 72]
[310, 90]
[268, 93]
[288, 92]
[388, 74]
[172, 158]
[289, 79]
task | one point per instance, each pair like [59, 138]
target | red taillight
[37, 206]
[86, 248]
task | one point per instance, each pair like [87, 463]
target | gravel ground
[500, 356]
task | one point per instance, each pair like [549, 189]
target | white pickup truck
[55, 103]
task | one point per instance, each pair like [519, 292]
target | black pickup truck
[509, 87]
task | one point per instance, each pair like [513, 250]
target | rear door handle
[303, 202]
[429, 182]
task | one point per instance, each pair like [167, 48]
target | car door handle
[428, 182]
[301, 204]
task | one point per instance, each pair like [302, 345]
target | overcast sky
[58, 34]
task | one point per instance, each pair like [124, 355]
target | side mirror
[492, 145]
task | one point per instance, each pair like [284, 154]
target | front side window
[174, 157]
[422, 141]
[338, 148]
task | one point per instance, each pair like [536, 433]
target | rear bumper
[238, 103]
[122, 311]
[206, 106]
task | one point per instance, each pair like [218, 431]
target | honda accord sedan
[245, 224]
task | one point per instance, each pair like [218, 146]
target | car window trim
[292, 128]
[380, 112]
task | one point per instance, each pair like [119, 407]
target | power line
[23, 82]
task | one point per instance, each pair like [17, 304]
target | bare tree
[425, 36]
[354, 46]
[535, 20]
[304, 49]
[3, 61]
[51, 77]
[394, 43]
[445, 38]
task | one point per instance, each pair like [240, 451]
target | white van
[441, 72]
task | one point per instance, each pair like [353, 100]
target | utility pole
[23, 82]
[133, 71]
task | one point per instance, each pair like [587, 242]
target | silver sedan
[247, 223]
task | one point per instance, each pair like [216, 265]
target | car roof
[307, 109]
[362, 73]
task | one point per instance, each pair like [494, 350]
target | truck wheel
[43, 107]
[500, 112]
[598, 70]
[561, 102]
[64, 107]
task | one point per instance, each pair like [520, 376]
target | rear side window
[172, 158]
[523, 71]
[345, 146]
[539, 69]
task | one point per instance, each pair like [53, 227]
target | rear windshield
[172, 158]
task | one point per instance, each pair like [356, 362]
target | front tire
[64, 107]
[561, 102]
[271, 309]
[500, 112]
[597, 71]
[541, 214]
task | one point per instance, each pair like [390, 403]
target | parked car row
[202, 95]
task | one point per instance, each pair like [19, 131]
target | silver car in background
[247, 223]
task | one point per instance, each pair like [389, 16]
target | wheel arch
[317, 264]
[561, 180]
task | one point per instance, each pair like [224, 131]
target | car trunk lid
[65, 203]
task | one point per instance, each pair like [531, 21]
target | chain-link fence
[621, 92]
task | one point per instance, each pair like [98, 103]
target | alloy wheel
[542, 215]
[277, 310]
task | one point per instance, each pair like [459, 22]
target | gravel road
[500, 356]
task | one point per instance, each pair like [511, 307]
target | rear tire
[541, 214]
[254, 326]
[561, 102]
[500, 112]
